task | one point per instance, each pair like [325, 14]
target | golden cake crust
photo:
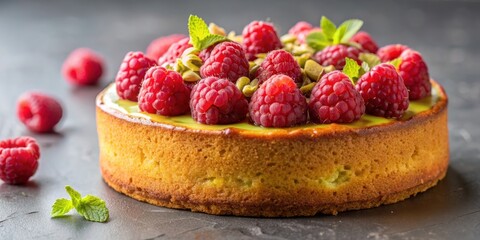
[297, 173]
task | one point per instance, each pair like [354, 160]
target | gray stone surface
[36, 36]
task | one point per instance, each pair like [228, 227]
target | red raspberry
[159, 46]
[383, 91]
[205, 53]
[390, 52]
[301, 30]
[130, 75]
[259, 37]
[163, 92]
[83, 67]
[18, 159]
[174, 51]
[217, 101]
[39, 112]
[335, 100]
[278, 103]
[414, 72]
[279, 62]
[366, 41]
[335, 55]
[227, 60]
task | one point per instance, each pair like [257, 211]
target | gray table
[36, 36]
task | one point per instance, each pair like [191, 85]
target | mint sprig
[92, 208]
[332, 35]
[200, 36]
[352, 70]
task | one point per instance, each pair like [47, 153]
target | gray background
[36, 36]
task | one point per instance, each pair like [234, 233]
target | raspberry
[259, 37]
[39, 112]
[205, 53]
[83, 67]
[414, 72]
[163, 92]
[335, 55]
[390, 52]
[217, 101]
[159, 46]
[278, 103]
[301, 30]
[227, 60]
[279, 62]
[174, 51]
[18, 159]
[335, 100]
[383, 91]
[366, 41]
[130, 75]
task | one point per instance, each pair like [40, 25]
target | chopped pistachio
[288, 38]
[307, 89]
[242, 82]
[192, 62]
[215, 29]
[313, 70]
[254, 69]
[190, 76]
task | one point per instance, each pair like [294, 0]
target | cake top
[308, 77]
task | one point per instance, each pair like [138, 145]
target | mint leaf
[328, 27]
[90, 207]
[351, 69]
[93, 209]
[317, 40]
[396, 62]
[370, 59]
[200, 36]
[351, 27]
[76, 197]
[338, 35]
[61, 207]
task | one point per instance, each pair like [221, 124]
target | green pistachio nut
[249, 90]
[192, 62]
[242, 82]
[288, 38]
[215, 29]
[190, 76]
[190, 51]
[307, 89]
[313, 70]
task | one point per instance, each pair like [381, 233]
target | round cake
[246, 170]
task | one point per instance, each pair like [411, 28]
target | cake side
[273, 176]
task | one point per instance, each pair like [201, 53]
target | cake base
[291, 173]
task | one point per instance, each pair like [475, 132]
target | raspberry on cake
[38, 111]
[130, 75]
[260, 37]
[217, 101]
[390, 52]
[174, 51]
[279, 62]
[278, 103]
[254, 145]
[366, 41]
[414, 72]
[18, 159]
[163, 92]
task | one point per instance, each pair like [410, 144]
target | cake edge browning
[235, 174]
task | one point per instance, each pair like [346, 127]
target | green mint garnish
[331, 35]
[370, 59]
[396, 62]
[351, 69]
[90, 207]
[200, 36]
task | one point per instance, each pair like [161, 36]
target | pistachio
[302, 59]
[329, 68]
[249, 89]
[179, 66]
[307, 89]
[301, 49]
[313, 70]
[254, 69]
[215, 29]
[242, 82]
[190, 76]
[190, 51]
[288, 38]
[236, 38]
[193, 62]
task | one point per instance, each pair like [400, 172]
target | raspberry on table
[383, 91]
[217, 101]
[83, 67]
[279, 62]
[18, 159]
[159, 46]
[39, 112]
[414, 72]
[164, 92]
[260, 37]
[174, 51]
[227, 60]
[278, 103]
[366, 41]
[335, 100]
[130, 75]
[390, 52]
[335, 55]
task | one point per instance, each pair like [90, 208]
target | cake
[244, 168]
